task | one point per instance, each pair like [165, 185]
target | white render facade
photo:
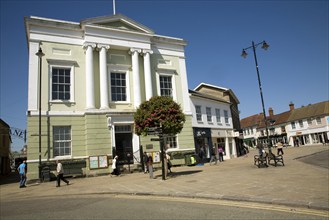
[95, 73]
[212, 125]
[313, 130]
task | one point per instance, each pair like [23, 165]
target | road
[106, 206]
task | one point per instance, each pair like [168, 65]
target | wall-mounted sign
[156, 157]
[149, 146]
[96, 162]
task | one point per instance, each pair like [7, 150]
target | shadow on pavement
[182, 173]
[12, 177]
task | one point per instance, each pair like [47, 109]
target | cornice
[168, 40]
[98, 21]
[45, 22]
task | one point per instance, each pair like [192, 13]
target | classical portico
[103, 49]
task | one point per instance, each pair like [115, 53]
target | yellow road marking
[251, 205]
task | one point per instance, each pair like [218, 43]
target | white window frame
[119, 69]
[227, 118]
[209, 115]
[70, 141]
[301, 124]
[198, 113]
[172, 140]
[293, 125]
[318, 121]
[72, 86]
[173, 82]
[309, 121]
[218, 116]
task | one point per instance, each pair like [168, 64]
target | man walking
[60, 174]
[22, 169]
[145, 158]
[213, 157]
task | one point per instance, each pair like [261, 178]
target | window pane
[165, 86]
[118, 87]
[61, 140]
[61, 83]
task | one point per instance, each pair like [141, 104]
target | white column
[227, 148]
[311, 139]
[185, 93]
[136, 78]
[32, 104]
[90, 94]
[234, 152]
[103, 76]
[147, 74]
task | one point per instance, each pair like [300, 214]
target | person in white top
[115, 170]
[60, 174]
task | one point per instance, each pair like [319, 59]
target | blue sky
[294, 68]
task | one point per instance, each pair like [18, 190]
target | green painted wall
[90, 136]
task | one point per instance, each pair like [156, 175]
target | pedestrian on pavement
[60, 174]
[261, 150]
[220, 153]
[22, 170]
[280, 148]
[145, 157]
[169, 165]
[150, 166]
[246, 151]
[213, 156]
[115, 169]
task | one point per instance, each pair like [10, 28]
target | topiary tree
[159, 111]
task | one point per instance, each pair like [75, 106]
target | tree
[159, 111]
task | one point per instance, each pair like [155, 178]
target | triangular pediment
[119, 22]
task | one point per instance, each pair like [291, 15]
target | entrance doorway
[123, 144]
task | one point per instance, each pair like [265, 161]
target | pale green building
[94, 74]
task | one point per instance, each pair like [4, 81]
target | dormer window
[272, 122]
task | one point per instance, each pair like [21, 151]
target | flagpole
[113, 7]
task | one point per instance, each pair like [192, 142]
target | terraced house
[299, 126]
[94, 74]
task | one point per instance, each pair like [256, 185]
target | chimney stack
[270, 111]
[291, 106]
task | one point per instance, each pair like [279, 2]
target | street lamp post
[40, 54]
[244, 55]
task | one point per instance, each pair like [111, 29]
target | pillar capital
[144, 52]
[100, 46]
[133, 50]
[87, 44]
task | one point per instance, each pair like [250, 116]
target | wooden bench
[276, 159]
[260, 160]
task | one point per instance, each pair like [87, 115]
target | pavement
[299, 183]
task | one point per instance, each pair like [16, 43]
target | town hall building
[94, 75]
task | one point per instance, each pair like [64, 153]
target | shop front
[224, 139]
[203, 143]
